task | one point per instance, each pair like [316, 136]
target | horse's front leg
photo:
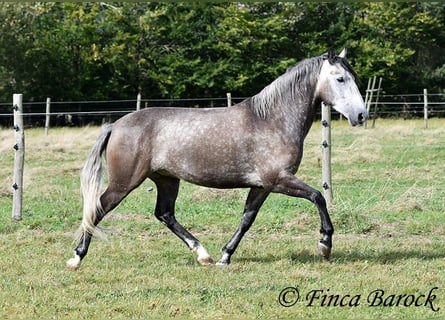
[288, 184]
[254, 201]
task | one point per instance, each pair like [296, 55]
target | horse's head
[336, 87]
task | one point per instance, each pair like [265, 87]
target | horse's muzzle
[361, 119]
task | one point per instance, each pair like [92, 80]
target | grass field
[388, 259]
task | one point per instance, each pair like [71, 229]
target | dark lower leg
[254, 202]
[290, 185]
[82, 248]
[84, 243]
[327, 229]
[109, 200]
[193, 243]
[169, 220]
[165, 212]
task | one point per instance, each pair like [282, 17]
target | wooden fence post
[326, 152]
[425, 108]
[19, 157]
[47, 118]
[229, 99]
[138, 102]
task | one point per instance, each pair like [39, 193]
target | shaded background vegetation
[96, 51]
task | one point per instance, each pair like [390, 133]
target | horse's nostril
[360, 117]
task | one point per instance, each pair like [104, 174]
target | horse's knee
[317, 198]
[166, 218]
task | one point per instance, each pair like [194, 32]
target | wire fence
[80, 113]
[411, 105]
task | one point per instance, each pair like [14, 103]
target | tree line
[95, 50]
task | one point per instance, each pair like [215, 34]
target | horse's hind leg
[108, 200]
[167, 190]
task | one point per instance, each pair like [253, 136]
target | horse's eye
[341, 79]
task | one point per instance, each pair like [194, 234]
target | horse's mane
[294, 84]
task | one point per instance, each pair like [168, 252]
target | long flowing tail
[91, 181]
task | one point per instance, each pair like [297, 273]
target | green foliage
[92, 50]
[404, 43]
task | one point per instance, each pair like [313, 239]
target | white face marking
[337, 87]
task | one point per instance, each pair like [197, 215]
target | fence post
[374, 116]
[425, 108]
[367, 92]
[138, 102]
[326, 152]
[229, 99]
[19, 157]
[371, 86]
[48, 110]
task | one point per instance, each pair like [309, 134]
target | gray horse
[256, 144]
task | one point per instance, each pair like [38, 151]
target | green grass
[389, 201]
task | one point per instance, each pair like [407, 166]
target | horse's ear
[331, 56]
[343, 53]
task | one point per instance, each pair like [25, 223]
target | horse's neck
[295, 120]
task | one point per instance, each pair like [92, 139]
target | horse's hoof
[73, 264]
[324, 250]
[221, 263]
[206, 261]
[204, 257]
[224, 261]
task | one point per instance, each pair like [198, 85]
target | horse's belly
[207, 175]
[228, 180]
